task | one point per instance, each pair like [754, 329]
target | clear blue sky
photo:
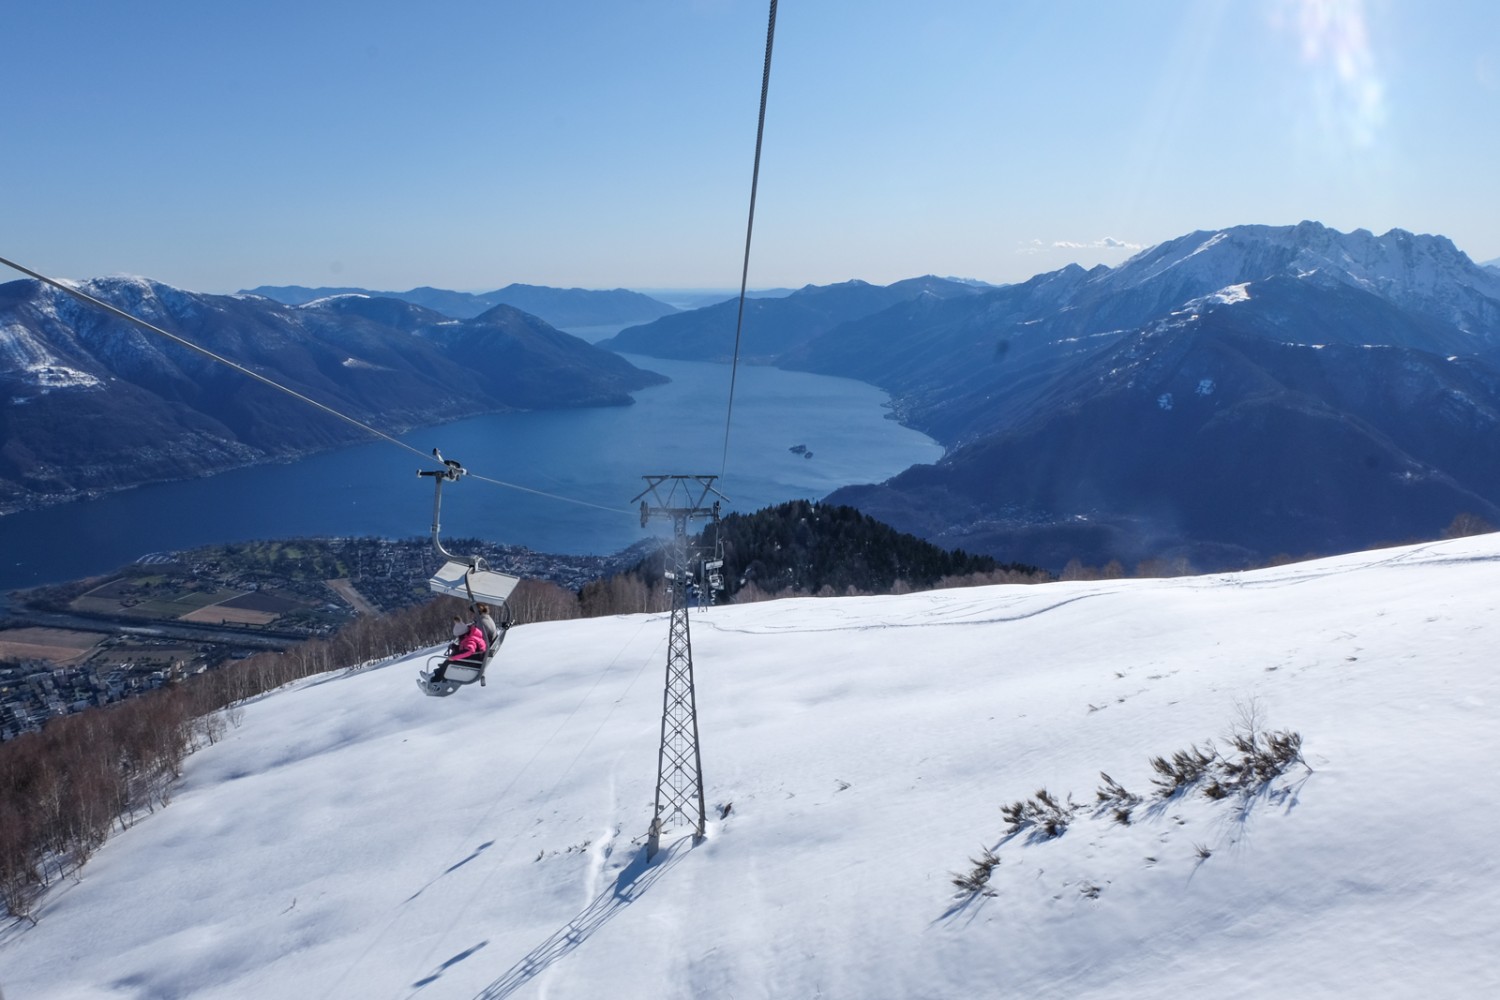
[221, 145]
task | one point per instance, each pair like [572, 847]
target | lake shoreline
[566, 476]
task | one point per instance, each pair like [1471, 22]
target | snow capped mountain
[1355, 400]
[355, 839]
[1423, 274]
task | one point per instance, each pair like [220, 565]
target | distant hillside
[808, 548]
[1224, 397]
[570, 307]
[775, 326]
[90, 402]
[803, 548]
[697, 298]
[561, 307]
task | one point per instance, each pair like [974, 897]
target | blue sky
[600, 144]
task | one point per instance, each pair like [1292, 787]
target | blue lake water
[597, 456]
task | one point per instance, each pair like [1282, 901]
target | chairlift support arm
[451, 472]
[462, 577]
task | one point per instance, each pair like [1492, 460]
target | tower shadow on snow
[628, 886]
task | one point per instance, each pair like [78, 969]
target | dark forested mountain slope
[811, 548]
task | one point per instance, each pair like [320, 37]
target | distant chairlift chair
[470, 580]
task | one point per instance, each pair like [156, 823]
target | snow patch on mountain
[1210, 243]
[20, 349]
[63, 377]
[327, 299]
[1232, 294]
[24, 358]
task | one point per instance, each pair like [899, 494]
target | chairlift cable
[553, 496]
[760, 128]
[88, 299]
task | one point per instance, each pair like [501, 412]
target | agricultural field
[54, 646]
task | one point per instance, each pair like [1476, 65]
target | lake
[592, 456]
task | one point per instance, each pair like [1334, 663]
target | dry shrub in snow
[1043, 812]
[978, 877]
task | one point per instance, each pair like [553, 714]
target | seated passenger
[467, 646]
[486, 624]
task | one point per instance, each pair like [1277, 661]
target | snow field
[354, 838]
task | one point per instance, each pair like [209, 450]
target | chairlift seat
[471, 582]
[460, 673]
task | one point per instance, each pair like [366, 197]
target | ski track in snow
[963, 614]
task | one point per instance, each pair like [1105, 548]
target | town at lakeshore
[67, 647]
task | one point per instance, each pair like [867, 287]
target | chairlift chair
[470, 580]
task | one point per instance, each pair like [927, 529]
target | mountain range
[1219, 400]
[1222, 398]
[562, 307]
[89, 402]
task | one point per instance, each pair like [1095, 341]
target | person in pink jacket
[468, 644]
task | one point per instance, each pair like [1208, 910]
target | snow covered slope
[355, 839]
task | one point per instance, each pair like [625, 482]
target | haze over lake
[596, 456]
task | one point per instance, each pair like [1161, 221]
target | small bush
[1113, 796]
[1254, 756]
[1042, 812]
[1182, 771]
[977, 878]
[1259, 757]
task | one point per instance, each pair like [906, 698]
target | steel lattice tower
[679, 764]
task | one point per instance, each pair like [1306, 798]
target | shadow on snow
[628, 886]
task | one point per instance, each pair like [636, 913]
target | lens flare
[1335, 44]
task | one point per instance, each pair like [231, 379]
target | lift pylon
[679, 764]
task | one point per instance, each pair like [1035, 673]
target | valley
[67, 647]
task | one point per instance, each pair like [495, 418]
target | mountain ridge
[89, 402]
[773, 326]
[1239, 351]
[561, 307]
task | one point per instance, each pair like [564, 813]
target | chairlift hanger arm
[462, 577]
[451, 472]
